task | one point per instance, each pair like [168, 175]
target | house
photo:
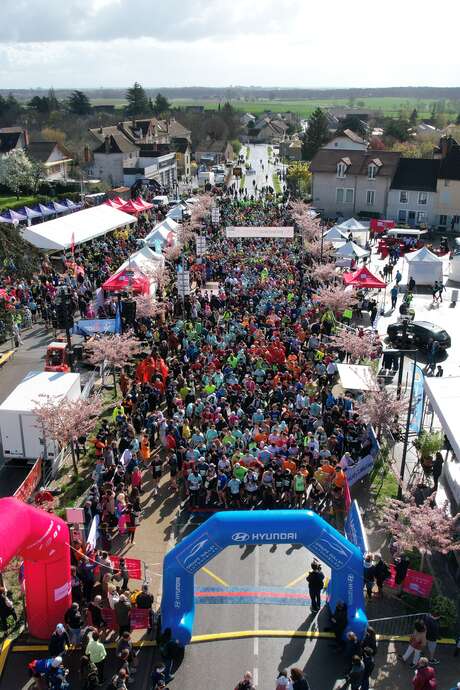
[347, 140]
[351, 182]
[144, 131]
[183, 150]
[54, 158]
[412, 199]
[212, 152]
[448, 184]
[12, 139]
[291, 149]
[247, 118]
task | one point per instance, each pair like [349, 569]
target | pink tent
[128, 280]
[131, 207]
[119, 201]
[112, 203]
[363, 278]
[141, 202]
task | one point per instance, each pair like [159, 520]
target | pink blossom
[380, 408]
[358, 346]
[147, 307]
[336, 299]
[116, 350]
[324, 273]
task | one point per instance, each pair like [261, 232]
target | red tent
[112, 203]
[363, 278]
[128, 279]
[380, 226]
[131, 207]
[119, 201]
[141, 202]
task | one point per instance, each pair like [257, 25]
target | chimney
[26, 137]
[100, 130]
[107, 144]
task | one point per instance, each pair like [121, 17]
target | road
[274, 576]
[260, 162]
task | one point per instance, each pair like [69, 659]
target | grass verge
[276, 184]
[242, 181]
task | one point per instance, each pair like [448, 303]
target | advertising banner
[139, 619]
[416, 583]
[359, 470]
[264, 231]
[30, 483]
[133, 566]
[416, 412]
[354, 528]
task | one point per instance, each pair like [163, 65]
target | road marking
[215, 577]
[298, 579]
[4, 653]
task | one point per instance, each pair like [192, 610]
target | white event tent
[351, 250]
[424, 266]
[335, 235]
[76, 228]
[144, 260]
[351, 225]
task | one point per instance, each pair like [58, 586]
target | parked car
[419, 333]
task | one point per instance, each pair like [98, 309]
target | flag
[72, 244]
[118, 319]
[347, 496]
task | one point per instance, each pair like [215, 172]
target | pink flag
[347, 495]
[72, 244]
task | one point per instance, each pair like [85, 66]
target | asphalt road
[269, 581]
[259, 160]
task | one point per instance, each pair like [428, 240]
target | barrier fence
[396, 625]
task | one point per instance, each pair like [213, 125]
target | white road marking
[256, 607]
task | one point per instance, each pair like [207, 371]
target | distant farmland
[388, 105]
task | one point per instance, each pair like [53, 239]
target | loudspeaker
[128, 311]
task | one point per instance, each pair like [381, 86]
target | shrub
[447, 609]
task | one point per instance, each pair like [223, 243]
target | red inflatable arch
[42, 540]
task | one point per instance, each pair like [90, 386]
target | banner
[89, 327]
[354, 528]
[133, 566]
[359, 470]
[110, 618]
[93, 534]
[416, 412]
[139, 619]
[416, 583]
[30, 483]
[264, 231]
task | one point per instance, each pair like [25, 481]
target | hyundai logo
[240, 536]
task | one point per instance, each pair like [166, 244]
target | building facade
[413, 195]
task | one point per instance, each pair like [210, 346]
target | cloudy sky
[305, 43]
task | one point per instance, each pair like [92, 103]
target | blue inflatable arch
[234, 528]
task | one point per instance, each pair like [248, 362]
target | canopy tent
[168, 223]
[31, 213]
[12, 217]
[119, 201]
[76, 228]
[143, 204]
[356, 377]
[131, 207]
[113, 204]
[363, 278]
[424, 266]
[128, 279]
[58, 208]
[145, 259]
[45, 210]
[351, 250]
[161, 236]
[71, 204]
[176, 213]
[334, 234]
[444, 397]
[351, 225]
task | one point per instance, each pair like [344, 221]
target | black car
[418, 333]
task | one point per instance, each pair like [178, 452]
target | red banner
[416, 583]
[381, 225]
[30, 483]
[133, 566]
[139, 619]
[110, 618]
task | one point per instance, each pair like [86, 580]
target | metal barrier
[89, 385]
[396, 625]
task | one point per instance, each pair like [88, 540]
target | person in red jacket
[425, 676]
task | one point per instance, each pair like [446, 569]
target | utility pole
[406, 434]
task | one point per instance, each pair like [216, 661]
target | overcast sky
[305, 43]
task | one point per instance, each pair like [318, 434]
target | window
[341, 169]
[370, 197]
[403, 197]
[402, 216]
[349, 196]
[442, 220]
[339, 195]
[372, 171]
[422, 198]
[421, 218]
[344, 196]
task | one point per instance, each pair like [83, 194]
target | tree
[53, 101]
[413, 117]
[380, 408]
[316, 135]
[336, 299]
[79, 103]
[298, 178]
[40, 104]
[357, 346]
[147, 307]
[161, 105]
[172, 254]
[354, 123]
[231, 119]
[16, 172]
[116, 350]
[314, 249]
[398, 129]
[324, 273]
[37, 175]
[138, 103]
[52, 134]
[10, 110]
[422, 527]
[64, 420]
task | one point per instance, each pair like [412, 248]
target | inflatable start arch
[42, 540]
[235, 528]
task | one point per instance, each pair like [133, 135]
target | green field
[7, 201]
[388, 105]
